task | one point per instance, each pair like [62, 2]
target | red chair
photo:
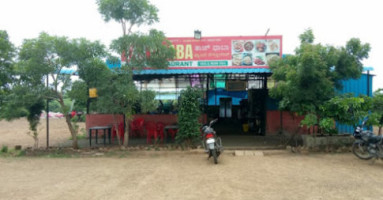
[151, 131]
[121, 131]
[137, 126]
[172, 133]
[160, 130]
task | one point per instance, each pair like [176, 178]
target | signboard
[226, 52]
[93, 93]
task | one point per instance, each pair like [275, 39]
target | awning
[188, 71]
[202, 71]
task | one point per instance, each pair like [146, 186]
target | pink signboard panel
[226, 52]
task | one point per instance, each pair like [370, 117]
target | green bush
[4, 149]
[327, 125]
[78, 119]
[188, 115]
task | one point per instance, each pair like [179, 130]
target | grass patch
[5, 152]
[4, 149]
[60, 153]
[117, 153]
[79, 136]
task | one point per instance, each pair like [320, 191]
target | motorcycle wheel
[360, 150]
[215, 156]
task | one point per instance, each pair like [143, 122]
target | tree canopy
[47, 56]
[141, 50]
[7, 54]
[309, 78]
[128, 12]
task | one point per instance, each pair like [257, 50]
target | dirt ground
[191, 176]
[182, 175]
[15, 133]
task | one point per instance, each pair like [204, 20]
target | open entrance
[239, 101]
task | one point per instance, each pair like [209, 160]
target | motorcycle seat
[375, 138]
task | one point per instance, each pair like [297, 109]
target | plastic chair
[137, 125]
[121, 131]
[172, 133]
[151, 131]
[160, 130]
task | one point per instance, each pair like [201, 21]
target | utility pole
[47, 113]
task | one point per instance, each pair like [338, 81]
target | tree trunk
[69, 123]
[126, 137]
[116, 127]
[36, 138]
[380, 130]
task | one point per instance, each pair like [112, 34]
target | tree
[147, 102]
[7, 53]
[347, 109]
[188, 116]
[128, 12]
[308, 79]
[24, 101]
[377, 109]
[150, 50]
[87, 56]
[117, 96]
[47, 56]
[78, 92]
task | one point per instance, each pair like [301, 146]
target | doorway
[225, 107]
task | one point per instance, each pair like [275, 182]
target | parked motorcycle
[212, 143]
[367, 145]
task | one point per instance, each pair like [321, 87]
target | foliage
[7, 53]
[119, 94]
[147, 102]
[145, 50]
[327, 126]
[79, 93]
[23, 101]
[128, 12]
[188, 115]
[33, 117]
[47, 56]
[307, 79]
[347, 109]
[4, 149]
[376, 116]
[54, 106]
[78, 119]
[310, 120]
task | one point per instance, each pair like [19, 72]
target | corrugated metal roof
[202, 71]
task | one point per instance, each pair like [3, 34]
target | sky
[333, 22]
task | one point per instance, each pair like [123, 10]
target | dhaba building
[234, 74]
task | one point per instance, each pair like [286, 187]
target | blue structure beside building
[361, 86]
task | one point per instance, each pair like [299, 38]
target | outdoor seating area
[144, 129]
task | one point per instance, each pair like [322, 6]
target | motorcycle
[212, 143]
[367, 145]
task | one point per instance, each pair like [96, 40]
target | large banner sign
[226, 52]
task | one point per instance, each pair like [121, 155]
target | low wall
[323, 141]
[290, 122]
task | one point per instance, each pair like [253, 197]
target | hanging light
[197, 34]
